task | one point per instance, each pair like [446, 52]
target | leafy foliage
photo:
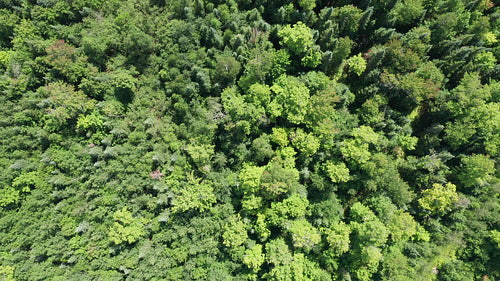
[439, 198]
[249, 140]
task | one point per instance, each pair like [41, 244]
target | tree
[277, 180]
[261, 65]
[7, 273]
[439, 198]
[280, 136]
[93, 125]
[396, 266]
[348, 17]
[201, 154]
[337, 236]
[370, 234]
[9, 195]
[293, 207]
[235, 233]
[290, 267]
[299, 40]
[477, 170]
[291, 100]
[250, 177]
[402, 226]
[277, 252]
[64, 104]
[495, 235]
[7, 24]
[125, 228]
[254, 257]
[246, 116]
[307, 144]
[307, 5]
[259, 94]
[338, 172]
[356, 64]
[367, 226]
[356, 150]
[406, 11]
[262, 148]
[66, 61]
[479, 120]
[226, 71]
[469, 93]
[195, 194]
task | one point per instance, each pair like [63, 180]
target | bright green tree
[477, 170]
[195, 194]
[277, 180]
[291, 99]
[235, 233]
[306, 144]
[337, 171]
[250, 177]
[280, 136]
[297, 38]
[337, 236]
[254, 257]
[356, 64]
[6, 273]
[126, 228]
[439, 198]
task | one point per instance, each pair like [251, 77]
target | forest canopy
[249, 140]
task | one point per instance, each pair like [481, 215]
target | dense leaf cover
[249, 140]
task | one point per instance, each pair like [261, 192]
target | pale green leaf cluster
[254, 258]
[356, 64]
[304, 235]
[291, 99]
[125, 229]
[337, 171]
[439, 198]
[338, 239]
[235, 233]
[194, 196]
[305, 143]
[298, 38]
